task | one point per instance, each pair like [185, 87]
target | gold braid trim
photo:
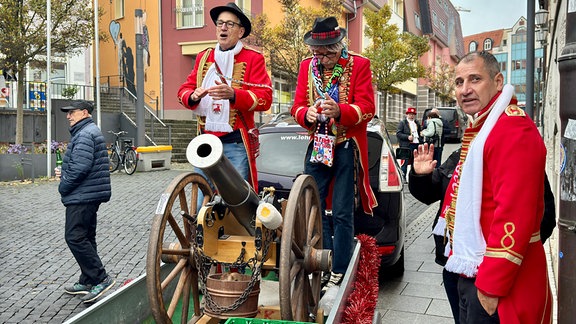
[255, 100]
[359, 113]
[504, 255]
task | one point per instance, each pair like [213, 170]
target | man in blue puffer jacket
[84, 185]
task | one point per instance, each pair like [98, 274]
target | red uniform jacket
[252, 88]
[357, 107]
[514, 265]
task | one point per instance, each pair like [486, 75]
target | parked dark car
[283, 145]
[456, 120]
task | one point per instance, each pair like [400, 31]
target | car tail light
[389, 174]
[456, 123]
[386, 249]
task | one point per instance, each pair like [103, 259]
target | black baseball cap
[79, 104]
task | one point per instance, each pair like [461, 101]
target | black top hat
[233, 8]
[79, 104]
[324, 32]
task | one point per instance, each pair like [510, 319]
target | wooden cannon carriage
[226, 235]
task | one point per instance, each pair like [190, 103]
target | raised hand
[424, 162]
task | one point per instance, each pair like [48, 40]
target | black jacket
[430, 188]
[403, 131]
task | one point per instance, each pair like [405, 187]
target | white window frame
[487, 44]
[472, 47]
[417, 22]
[119, 9]
[191, 10]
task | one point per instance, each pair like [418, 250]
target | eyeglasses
[229, 24]
[71, 112]
[321, 56]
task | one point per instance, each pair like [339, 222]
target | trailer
[229, 254]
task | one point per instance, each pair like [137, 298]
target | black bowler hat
[233, 8]
[79, 104]
[324, 32]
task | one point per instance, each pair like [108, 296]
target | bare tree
[441, 80]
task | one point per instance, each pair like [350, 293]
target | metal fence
[35, 94]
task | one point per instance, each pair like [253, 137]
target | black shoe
[99, 290]
[78, 289]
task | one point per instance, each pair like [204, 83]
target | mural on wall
[125, 55]
[119, 42]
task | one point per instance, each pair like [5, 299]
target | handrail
[152, 120]
[146, 107]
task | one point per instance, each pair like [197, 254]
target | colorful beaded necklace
[331, 87]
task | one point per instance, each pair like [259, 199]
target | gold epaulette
[513, 110]
[252, 49]
[355, 54]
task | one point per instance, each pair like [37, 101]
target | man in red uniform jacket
[493, 205]
[227, 85]
[334, 100]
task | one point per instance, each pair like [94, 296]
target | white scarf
[413, 130]
[217, 112]
[469, 245]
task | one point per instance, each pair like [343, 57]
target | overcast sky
[486, 15]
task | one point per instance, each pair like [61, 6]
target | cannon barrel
[206, 152]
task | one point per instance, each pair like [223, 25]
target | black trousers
[80, 235]
[450, 280]
[471, 311]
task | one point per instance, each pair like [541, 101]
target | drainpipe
[567, 207]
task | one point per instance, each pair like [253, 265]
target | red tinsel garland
[362, 301]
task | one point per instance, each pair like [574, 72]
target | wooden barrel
[225, 289]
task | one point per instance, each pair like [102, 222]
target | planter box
[24, 166]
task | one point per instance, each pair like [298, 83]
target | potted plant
[69, 92]
[18, 161]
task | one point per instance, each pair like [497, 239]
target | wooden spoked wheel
[171, 235]
[301, 240]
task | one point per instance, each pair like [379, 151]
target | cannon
[205, 239]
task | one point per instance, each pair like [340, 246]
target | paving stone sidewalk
[36, 263]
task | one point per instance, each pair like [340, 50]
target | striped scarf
[469, 239]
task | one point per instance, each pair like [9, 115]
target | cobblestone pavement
[36, 263]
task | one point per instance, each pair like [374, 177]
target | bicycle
[127, 157]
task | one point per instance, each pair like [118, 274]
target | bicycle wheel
[130, 161]
[114, 160]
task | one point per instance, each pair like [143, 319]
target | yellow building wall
[118, 53]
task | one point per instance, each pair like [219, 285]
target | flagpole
[97, 64]
[48, 89]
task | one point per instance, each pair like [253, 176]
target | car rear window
[448, 114]
[282, 153]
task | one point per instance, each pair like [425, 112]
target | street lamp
[541, 35]
[541, 19]
[140, 122]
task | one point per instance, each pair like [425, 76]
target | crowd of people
[493, 217]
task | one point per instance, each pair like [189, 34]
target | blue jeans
[236, 154]
[337, 232]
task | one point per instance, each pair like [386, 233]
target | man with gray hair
[334, 101]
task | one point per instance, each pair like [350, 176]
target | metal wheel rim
[114, 161]
[302, 230]
[130, 161]
[184, 271]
